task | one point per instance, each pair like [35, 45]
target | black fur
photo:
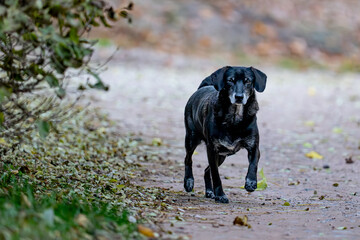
[222, 113]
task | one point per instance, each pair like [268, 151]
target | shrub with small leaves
[40, 41]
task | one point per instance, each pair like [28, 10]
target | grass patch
[25, 215]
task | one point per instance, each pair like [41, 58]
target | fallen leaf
[156, 142]
[179, 218]
[311, 91]
[341, 228]
[349, 160]
[335, 184]
[242, 221]
[326, 166]
[307, 145]
[294, 183]
[310, 123]
[146, 231]
[337, 130]
[286, 204]
[262, 184]
[314, 155]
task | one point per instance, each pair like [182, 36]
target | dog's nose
[239, 98]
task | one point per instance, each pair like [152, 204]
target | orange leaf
[145, 231]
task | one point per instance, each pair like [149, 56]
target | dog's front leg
[214, 160]
[251, 176]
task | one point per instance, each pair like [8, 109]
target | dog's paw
[209, 194]
[250, 185]
[221, 199]
[189, 184]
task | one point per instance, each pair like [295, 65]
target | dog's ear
[260, 79]
[216, 79]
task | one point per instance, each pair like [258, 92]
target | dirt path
[299, 112]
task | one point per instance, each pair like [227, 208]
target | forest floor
[299, 112]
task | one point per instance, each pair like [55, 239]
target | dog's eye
[247, 80]
[232, 80]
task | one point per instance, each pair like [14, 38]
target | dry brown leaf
[145, 231]
[242, 221]
[349, 160]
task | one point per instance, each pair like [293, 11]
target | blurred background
[292, 34]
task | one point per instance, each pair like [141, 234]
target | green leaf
[74, 35]
[307, 145]
[52, 80]
[124, 14]
[286, 204]
[2, 118]
[99, 84]
[4, 92]
[60, 92]
[337, 130]
[30, 36]
[44, 128]
[262, 184]
[104, 22]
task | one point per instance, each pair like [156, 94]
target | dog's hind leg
[209, 192]
[191, 142]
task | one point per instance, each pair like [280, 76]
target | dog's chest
[225, 146]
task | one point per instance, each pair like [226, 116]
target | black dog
[222, 113]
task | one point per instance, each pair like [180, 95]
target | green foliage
[40, 40]
[25, 215]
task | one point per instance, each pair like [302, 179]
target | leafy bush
[40, 41]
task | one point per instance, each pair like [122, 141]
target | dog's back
[198, 107]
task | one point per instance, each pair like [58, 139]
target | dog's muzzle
[238, 99]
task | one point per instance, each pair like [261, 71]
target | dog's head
[240, 82]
